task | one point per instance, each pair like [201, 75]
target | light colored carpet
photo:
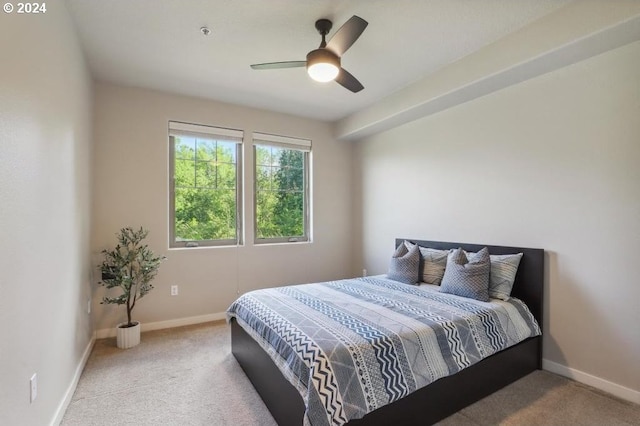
[187, 376]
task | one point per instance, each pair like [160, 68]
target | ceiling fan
[323, 63]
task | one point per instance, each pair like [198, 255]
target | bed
[428, 404]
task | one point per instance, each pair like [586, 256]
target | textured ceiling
[157, 44]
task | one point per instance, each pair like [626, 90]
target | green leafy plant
[130, 266]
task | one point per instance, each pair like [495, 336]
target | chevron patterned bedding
[352, 346]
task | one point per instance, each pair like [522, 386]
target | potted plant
[130, 266]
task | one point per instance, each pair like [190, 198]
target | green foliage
[279, 192]
[206, 198]
[205, 193]
[289, 210]
[130, 266]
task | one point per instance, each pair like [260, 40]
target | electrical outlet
[174, 290]
[88, 306]
[34, 387]
[364, 272]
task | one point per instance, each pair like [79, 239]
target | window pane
[274, 179]
[185, 147]
[226, 152]
[263, 178]
[291, 173]
[206, 202]
[276, 153]
[205, 214]
[205, 150]
[226, 175]
[280, 193]
[263, 155]
[265, 202]
[291, 179]
[184, 173]
[290, 220]
[205, 175]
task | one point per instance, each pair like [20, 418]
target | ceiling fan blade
[348, 81]
[344, 38]
[279, 65]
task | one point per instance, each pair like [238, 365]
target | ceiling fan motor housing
[322, 56]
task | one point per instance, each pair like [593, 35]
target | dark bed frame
[436, 401]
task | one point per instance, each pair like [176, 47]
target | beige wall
[45, 117]
[131, 189]
[553, 163]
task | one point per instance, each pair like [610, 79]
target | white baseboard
[588, 379]
[159, 325]
[62, 408]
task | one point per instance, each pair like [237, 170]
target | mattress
[352, 346]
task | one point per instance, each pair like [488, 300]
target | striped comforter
[354, 345]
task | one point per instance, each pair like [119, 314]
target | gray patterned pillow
[405, 265]
[503, 273]
[435, 262]
[433, 265]
[467, 277]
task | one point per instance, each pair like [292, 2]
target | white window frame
[177, 128]
[304, 145]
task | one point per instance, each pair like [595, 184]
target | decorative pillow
[405, 265]
[434, 263]
[503, 273]
[467, 277]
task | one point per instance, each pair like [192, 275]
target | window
[205, 190]
[281, 185]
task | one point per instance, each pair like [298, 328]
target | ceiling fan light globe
[323, 65]
[323, 72]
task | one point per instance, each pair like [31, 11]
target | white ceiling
[157, 44]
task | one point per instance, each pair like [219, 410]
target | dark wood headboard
[529, 283]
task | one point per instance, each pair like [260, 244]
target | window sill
[279, 243]
[206, 247]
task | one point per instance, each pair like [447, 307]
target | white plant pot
[128, 337]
